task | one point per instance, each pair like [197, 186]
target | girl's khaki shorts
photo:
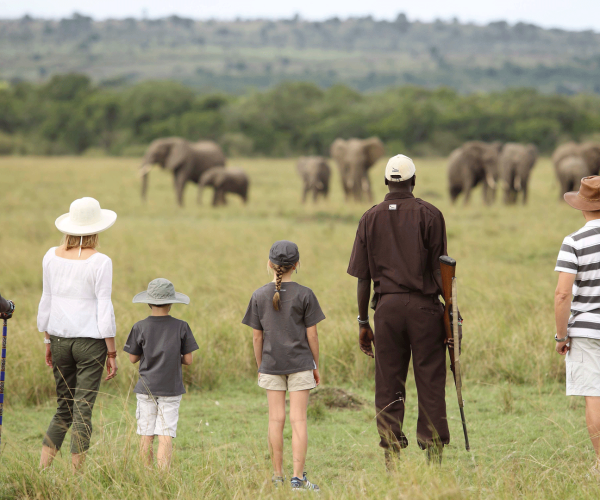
[300, 381]
[583, 367]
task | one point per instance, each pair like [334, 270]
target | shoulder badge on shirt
[393, 206]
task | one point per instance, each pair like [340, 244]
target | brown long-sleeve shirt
[398, 245]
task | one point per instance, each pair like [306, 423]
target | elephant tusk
[145, 170]
[490, 180]
[517, 183]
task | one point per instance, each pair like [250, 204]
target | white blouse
[76, 297]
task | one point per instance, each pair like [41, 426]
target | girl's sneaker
[277, 480]
[304, 484]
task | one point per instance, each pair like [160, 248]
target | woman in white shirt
[77, 317]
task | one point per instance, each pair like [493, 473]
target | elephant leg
[366, 187]
[454, 192]
[180, 181]
[222, 198]
[467, 189]
[199, 197]
[305, 193]
[484, 191]
[507, 195]
[525, 192]
[315, 194]
[215, 202]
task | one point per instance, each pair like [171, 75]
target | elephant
[224, 180]
[589, 151]
[354, 157]
[570, 170]
[515, 164]
[472, 163]
[185, 159]
[563, 151]
[315, 173]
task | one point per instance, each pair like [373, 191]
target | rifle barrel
[464, 424]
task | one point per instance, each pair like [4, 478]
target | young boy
[162, 344]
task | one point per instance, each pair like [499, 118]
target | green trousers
[78, 364]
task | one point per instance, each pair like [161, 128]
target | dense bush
[69, 115]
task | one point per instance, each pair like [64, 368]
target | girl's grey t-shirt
[160, 341]
[285, 344]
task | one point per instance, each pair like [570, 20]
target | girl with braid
[283, 316]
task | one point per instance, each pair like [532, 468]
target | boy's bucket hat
[85, 217]
[399, 168]
[588, 196]
[161, 291]
[284, 253]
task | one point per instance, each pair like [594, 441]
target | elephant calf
[224, 180]
[315, 173]
[515, 164]
[573, 162]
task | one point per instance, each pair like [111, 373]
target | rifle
[451, 323]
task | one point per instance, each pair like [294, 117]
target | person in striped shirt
[577, 306]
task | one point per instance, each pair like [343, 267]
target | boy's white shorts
[157, 415]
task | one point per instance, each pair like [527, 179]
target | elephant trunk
[490, 180]
[144, 172]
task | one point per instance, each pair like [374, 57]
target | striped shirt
[580, 255]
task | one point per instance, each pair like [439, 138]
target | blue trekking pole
[5, 316]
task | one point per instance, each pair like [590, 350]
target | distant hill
[365, 54]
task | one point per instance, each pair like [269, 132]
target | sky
[573, 14]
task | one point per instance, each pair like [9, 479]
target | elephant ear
[338, 150]
[374, 150]
[179, 154]
[533, 151]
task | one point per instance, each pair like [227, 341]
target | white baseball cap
[399, 168]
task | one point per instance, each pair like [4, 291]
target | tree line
[71, 115]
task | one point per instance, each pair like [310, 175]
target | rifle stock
[448, 270]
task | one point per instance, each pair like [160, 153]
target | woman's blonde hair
[88, 241]
[279, 272]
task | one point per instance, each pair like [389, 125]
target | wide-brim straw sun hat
[588, 197]
[85, 217]
[161, 291]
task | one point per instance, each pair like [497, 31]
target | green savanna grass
[528, 440]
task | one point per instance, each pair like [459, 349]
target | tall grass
[528, 440]
[505, 265]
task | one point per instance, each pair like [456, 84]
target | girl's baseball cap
[284, 253]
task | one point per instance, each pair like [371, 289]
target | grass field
[529, 441]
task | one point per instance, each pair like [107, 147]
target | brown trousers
[406, 322]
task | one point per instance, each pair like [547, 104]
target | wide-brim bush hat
[85, 217]
[284, 253]
[161, 291]
[588, 196]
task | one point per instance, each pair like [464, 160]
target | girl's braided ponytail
[279, 272]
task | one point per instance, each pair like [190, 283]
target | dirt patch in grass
[334, 397]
